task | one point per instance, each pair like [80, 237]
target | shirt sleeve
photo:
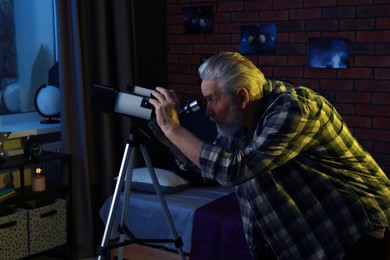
[288, 127]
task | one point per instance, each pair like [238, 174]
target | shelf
[26, 193]
[22, 160]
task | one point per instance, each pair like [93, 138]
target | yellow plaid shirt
[306, 187]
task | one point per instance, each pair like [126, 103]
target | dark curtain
[95, 46]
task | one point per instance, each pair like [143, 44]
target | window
[27, 52]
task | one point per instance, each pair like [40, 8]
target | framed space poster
[328, 53]
[198, 20]
[258, 38]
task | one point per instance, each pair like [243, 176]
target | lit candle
[38, 181]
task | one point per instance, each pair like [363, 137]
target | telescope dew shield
[133, 105]
[109, 100]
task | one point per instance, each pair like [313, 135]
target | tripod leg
[114, 202]
[126, 198]
[161, 198]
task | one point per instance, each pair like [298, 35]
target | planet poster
[258, 38]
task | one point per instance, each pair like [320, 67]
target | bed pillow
[169, 181]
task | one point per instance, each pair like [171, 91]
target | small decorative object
[32, 148]
[47, 103]
[258, 38]
[38, 180]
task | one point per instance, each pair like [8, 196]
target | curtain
[95, 46]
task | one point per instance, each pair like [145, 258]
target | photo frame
[328, 53]
[258, 38]
[198, 20]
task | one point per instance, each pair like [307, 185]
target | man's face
[220, 109]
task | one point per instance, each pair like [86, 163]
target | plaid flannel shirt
[302, 180]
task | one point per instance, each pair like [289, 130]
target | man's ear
[243, 97]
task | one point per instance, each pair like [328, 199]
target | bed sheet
[146, 218]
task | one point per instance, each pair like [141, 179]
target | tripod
[125, 179]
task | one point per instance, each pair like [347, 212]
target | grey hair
[231, 70]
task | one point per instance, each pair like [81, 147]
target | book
[6, 193]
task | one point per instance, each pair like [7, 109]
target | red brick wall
[361, 92]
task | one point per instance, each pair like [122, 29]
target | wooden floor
[141, 252]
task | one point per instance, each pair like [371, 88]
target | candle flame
[38, 171]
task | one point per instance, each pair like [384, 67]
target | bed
[206, 217]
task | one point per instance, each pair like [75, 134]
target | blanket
[218, 232]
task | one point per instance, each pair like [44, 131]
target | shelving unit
[25, 192]
[54, 189]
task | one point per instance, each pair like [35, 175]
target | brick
[373, 110]
[350, 36]
[230, 28]
[356, 73]
[372, 61]
[338, 84]
[290, 26]
[372, 85]
[382, 147]
[309, 83]
[193, 38]
[383, 48]
[316, 3]
[381, 98]
[245, 17]
[189, 59]
[181, 48]
[382, 123]
[362, 48]
[373, 11]
[343, 109]
[291, 48]
[354, 2]
[288, 72]
[217, 38]
[303, 36]
[231, 6]
[338, 12]
[382, 73]
[372, 134]
[305, 14]
[258, 5]
[383, 23]
[283, 4]
[357, 24]
[353, 97]
[373, 36]
[322, 25]
[297, 60]
[279, 15]
[273, 60]
[207, 48]
[358, 121]
[222, 17]
[320, 73]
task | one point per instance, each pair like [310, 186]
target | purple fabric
[218, 232]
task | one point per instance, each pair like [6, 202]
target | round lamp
[47, 103]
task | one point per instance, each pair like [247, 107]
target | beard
[231, 123]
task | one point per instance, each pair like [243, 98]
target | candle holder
[38, 180]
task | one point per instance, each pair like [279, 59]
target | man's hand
[167, 116]
[166, 105]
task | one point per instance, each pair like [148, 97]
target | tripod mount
[124, 180]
